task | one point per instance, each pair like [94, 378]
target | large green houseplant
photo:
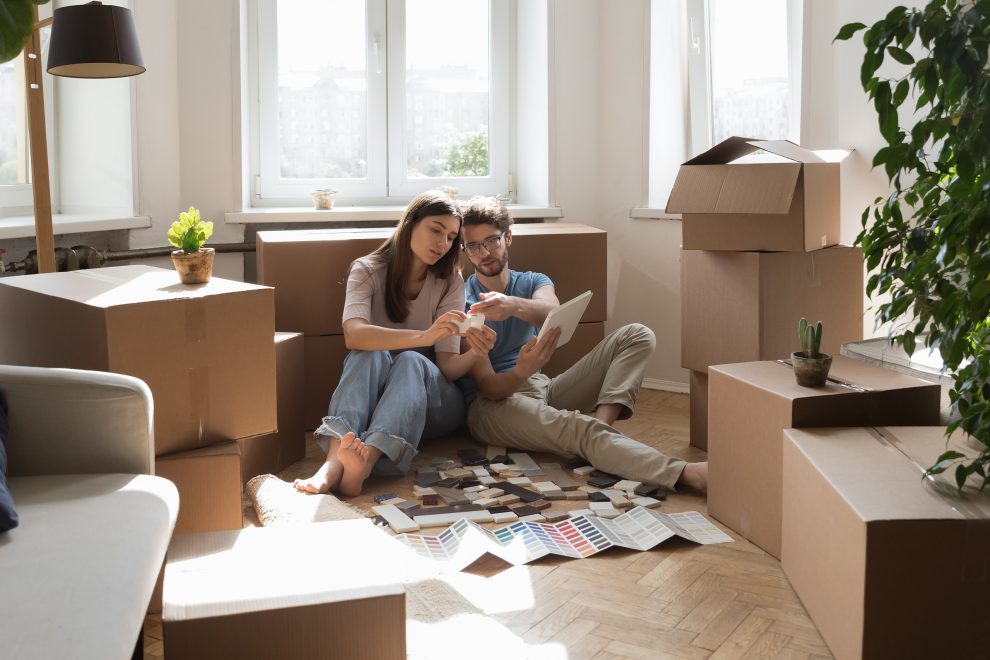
[927, 245]
[16, 25]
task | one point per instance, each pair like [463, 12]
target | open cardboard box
[888, 565]
[749, 406]
[791, 203]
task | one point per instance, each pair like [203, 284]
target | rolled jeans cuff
[332, 427]
[397, 453]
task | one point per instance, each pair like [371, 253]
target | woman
[402, 311]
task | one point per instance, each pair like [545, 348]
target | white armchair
[77, 574]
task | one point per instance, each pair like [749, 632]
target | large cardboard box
[749, 406]
[791, 203]
[698, 406]
[209, 485]
[745, 306]
[324, 363]
[888, 565]
[573, 255]
[325, 590]
[269, 453]
[586, 337]
[205, 350]
[308, 268]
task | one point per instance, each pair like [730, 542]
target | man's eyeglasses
[490, 244]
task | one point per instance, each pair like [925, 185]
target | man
[514, 405]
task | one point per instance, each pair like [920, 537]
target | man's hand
[535, 354]
[496, 306]
[480, 340]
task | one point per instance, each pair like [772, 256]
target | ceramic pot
[811, 372]
[194, 267]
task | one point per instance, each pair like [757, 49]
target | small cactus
[810, 336]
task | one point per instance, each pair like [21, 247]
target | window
[15, 176]
[744, 70]
[380, 99]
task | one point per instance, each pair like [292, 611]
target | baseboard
[666, 385]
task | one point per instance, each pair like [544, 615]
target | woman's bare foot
[327, 477]
[357, 459]
[695, 476]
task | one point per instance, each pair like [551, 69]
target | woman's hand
[480, 340]
[445, 326]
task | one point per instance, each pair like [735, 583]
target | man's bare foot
[695, 476]
[323, 480]
[354, 455]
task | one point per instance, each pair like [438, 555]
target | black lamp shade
[94, 41]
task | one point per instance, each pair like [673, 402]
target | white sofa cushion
[78, 573]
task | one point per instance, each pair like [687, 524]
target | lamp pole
[38, 146]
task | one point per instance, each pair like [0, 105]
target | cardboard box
[586, 337]
[791, 203]
[329, 589]
[698, 382]
[745, 306]
[209, 485]
[887, 564]
[267, 454]
[749, 406]
[324, 363]
[308, 268]
[205, 350]
[573, 255]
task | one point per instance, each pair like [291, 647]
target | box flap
[725, 151]
[697, 189]
[759, 189]
[788, 150]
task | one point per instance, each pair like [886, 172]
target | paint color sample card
[522, 542]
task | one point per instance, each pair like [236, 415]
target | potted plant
[927, 244]
[192, 261]
[810, 366]
[16, 26]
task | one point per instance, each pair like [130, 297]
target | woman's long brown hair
[397, 255]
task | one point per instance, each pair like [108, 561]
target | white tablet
[566, 317]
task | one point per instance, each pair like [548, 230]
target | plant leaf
[847, 31]
[900, 55]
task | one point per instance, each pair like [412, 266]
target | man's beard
[497, 269]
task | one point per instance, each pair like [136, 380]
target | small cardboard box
[308, 268]
[749, 406]
[267, 454]
[325, 357]
[586, 337]
[699, 409]
[209, 485]
[745, 306]
[205, 350]
[888, 565]
[790, 204]
[330, 589]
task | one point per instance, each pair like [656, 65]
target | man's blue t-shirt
[513, 333]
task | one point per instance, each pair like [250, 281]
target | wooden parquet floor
[679, 600]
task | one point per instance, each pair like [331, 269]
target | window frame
[386, 182]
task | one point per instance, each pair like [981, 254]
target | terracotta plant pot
[194, 267]
[811, 372]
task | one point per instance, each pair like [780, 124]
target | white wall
[188, 141]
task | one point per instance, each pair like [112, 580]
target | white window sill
[652, 214]
[22, 226]
[352, 213]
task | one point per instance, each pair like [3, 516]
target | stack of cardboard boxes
[308, 269]
[205, 351]
[759, 252]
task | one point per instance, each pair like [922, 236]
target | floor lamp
[87, 41]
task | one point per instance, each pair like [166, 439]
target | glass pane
[322, 89]
[749, 69]
[13, 125]
[447, 88]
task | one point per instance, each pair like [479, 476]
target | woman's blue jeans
[391, 403]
